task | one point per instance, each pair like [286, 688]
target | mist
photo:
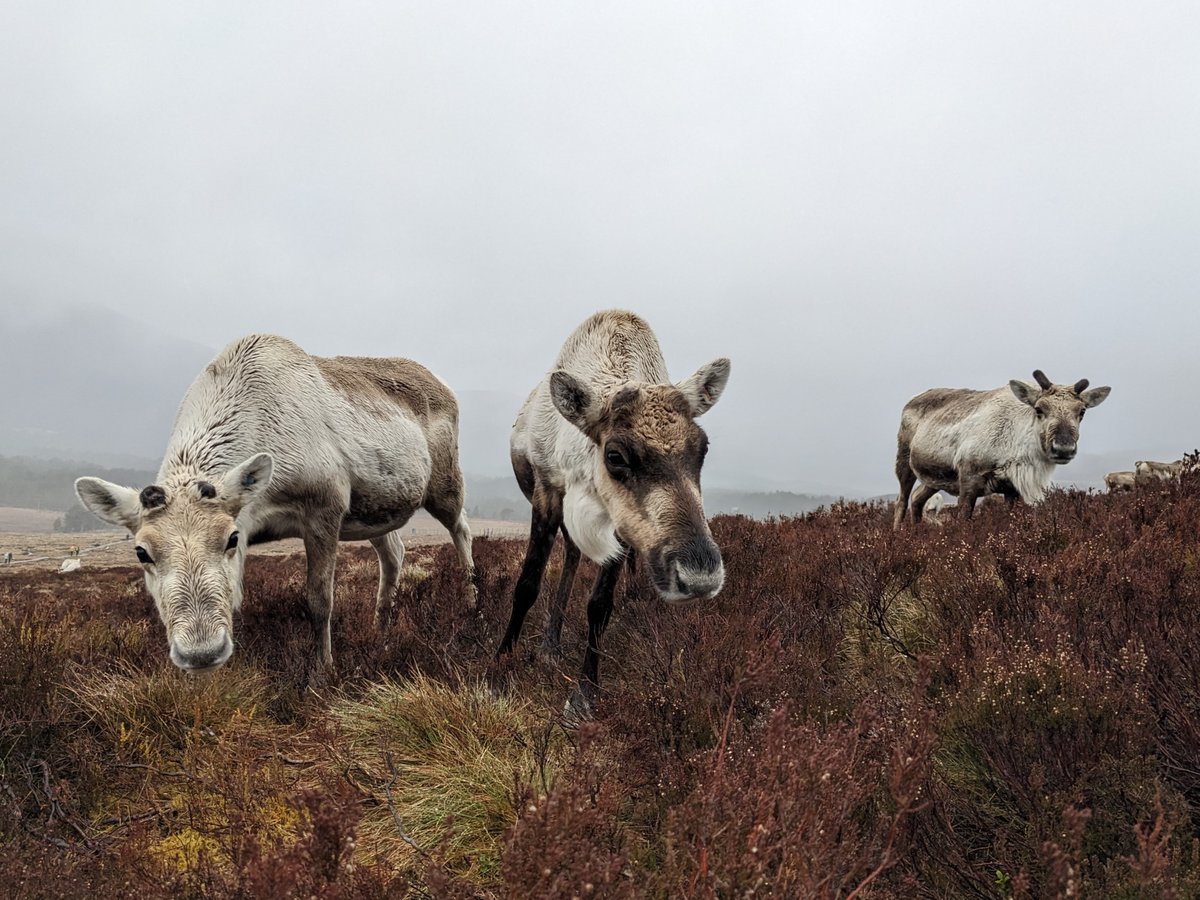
[855, 202]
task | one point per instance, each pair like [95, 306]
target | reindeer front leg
[543, 528]
[551, 649]
[320, 547]
[599, 610]
[970, 488]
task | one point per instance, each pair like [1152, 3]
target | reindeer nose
[201, 656]
[1063, 450]
[698, 571]
[700, 585]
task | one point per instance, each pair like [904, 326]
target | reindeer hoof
[579, 708]
[549, 652]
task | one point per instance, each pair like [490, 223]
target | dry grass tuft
[443, 766]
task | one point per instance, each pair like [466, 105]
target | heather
[1007, 707]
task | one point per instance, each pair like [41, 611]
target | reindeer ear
[703, 389]
[244, 482]
[1025, 393]
[574, 401]
[1095, 396]
[110, 502]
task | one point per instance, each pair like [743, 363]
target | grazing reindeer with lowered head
[608, 451]
[269, 443]
[973, 443]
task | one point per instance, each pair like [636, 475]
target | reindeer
[1119, 481]
[973, 443]
[270, 443]
[608, 452]
[1149, 471]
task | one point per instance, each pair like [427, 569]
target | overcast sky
[853, 201]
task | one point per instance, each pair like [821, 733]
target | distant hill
[485, 421]
[90, 384]
[500, 498]
[758, 505]
[50, 483]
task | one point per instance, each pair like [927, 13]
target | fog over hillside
[853, 202]
[88, 383]
[93, 385]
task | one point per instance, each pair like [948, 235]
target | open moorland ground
[46, 549]
[1008, 707]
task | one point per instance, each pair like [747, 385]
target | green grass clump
[443, 765]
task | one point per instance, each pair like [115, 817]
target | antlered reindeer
[1149, 471]
[608, 451]
[270, 443]
[973, 443]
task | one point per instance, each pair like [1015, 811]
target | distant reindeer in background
[933, 508]
[1119, 481]
[1149, 471]
[1003, 441]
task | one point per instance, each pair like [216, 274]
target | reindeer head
[648, 452]
[1058, 410]
[191, 553]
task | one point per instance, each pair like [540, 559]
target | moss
[186, 851]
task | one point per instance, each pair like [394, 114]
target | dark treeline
[50, 483]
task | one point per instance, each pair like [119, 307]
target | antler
[1081, 385]
[1040, 377]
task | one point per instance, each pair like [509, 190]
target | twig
[117, 822]
[387, 792]
[49, 839]
[56, 808]
[157, 771]
[291, 761]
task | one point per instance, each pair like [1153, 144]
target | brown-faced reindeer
[607, 450]
[973, 443]
[269, 443]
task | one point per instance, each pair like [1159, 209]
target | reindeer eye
[231, 544]
[618, 466]
[143, 556]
